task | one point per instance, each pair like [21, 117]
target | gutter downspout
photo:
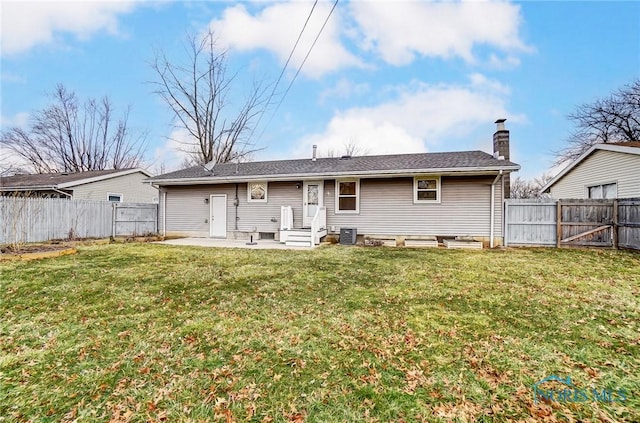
[164, 213]
[162, 202]
[492, 212]
[236, 202]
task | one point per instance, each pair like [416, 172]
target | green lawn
[142, 332]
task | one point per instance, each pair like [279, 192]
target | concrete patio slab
[230, 243]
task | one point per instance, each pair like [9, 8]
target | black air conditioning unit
[348, 236]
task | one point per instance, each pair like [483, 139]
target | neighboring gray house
[118, 185]
[609, 170]
[415, 196]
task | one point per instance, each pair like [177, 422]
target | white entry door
[218, 216]
[313, 193]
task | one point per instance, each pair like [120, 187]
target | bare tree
[349, 148]
[8, 166]
[522, 188]
[612, 119]
[68, 136]
[198, 92]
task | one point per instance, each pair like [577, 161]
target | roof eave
[103, 177]
[293, 176]
[29, 188]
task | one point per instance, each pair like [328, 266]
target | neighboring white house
[117, 185]
[609, 170]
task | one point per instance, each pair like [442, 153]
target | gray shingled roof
[330, 166]
[53, 180]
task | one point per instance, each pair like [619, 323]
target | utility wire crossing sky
[389, 77]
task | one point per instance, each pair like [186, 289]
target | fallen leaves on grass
[361, 335]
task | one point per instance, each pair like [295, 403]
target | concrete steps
[297, 238]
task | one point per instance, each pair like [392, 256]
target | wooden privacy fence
[130, 218]
[596, 223]
[43, 219]
[628, 223]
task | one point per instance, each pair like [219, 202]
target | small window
[426, 189]
[257, 192]
[604, 191]
[595, 192]
[114, 198]
[609, 191]
[348, 196]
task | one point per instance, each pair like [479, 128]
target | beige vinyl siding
[260, 215]
[387, 208]
[187, 213]
[131, 187]
[601, 167]
[186, 210]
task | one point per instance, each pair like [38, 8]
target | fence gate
[628, 217]
[134, 219]
[530, 222]
[585, 223]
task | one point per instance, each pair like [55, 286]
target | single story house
[610, 170]
[118, 185]
[414, 196]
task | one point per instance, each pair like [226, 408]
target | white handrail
[286, 218]
[318, 223]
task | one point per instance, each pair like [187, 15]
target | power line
[284, 68]
[294, 47]
[335, 3]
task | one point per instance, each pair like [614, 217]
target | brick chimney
[501, 149]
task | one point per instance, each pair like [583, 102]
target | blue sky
[388, 76]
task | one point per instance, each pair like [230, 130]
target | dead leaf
[592, 372]
[124, 334]
[294, 417]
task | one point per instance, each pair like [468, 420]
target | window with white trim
[348, 196]
[603, 191]
[426, 189]
[257, 192]
[114, 198]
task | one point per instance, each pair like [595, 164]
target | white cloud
[27, 24]
[421, 116]
[369, 136]
[8, 158]
[172, 154]
[12, 78]
[19, 120]
[398, 31]
[276, 28]
[11, 161]
[507, 62]
[344, 89]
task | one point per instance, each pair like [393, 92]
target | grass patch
[144, 332]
